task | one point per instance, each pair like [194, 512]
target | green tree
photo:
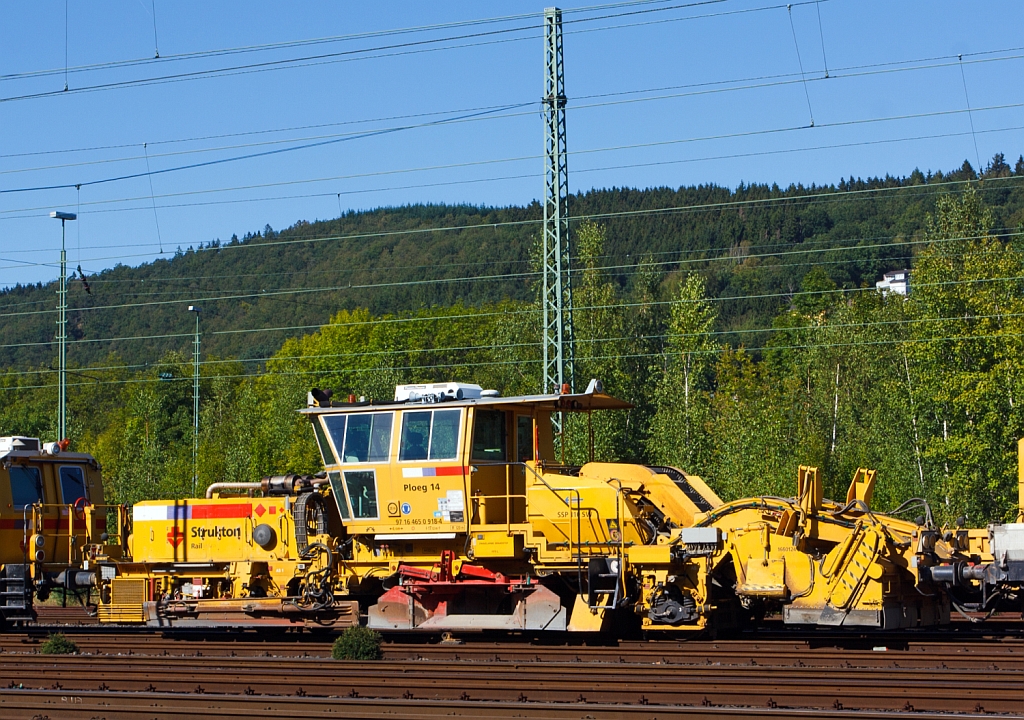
[680, 429]
[967, 303]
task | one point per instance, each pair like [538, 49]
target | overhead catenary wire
[503, 178]
[312, 373]
[156, 42]
[149, 175]
[480, 114]
[619, 305]
[406, 351]
[618, 269]
[327, 39]
[377, 52]
[248, 156]
[800, 62]
[806, 248]
[621, 147]
[397, 129]
[831, 195]
[755, 82]
[970, 115]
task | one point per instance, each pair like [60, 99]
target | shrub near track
[58, 644]
[357, 643]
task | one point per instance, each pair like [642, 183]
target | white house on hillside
[896, 281]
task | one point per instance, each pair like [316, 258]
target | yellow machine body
[226, 561]
[215, 530]
[458, 487]
[53, 521]
[448, 509]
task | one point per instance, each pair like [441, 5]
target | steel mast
[62, 328]
[195, 400]
[557, 300]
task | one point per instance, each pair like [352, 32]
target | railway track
[776, 675]
[53, 704]
[526, 684]
[970, 652]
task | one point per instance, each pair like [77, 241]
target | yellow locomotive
[446, 509]
[53, 523]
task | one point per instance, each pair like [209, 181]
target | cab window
[335, 425]
[362, 491]
[368, 438]
[524, 438]
[321, 440]
[26, 486]
[430, 435]
[72, 484]
[489, 436]
[339, 494]
[444, 435]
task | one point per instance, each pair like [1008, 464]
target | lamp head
[60, 215]
[194, 308]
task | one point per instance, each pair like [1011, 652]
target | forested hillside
[750, 242]
[810, 366]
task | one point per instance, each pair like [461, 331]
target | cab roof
[69, 458]
[569, 402]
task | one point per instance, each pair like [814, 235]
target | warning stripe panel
[142, 513]
[447, 470]
[207, 512]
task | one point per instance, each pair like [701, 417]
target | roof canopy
[572, 402]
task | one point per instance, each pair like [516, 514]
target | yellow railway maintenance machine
[458, 516]
[268, 557]
[447, 509]
[53, 524]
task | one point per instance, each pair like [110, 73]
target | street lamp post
[62, 327]
[195, 402]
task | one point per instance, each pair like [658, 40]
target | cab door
[524, 453]
[52, 522]
[74, 495]
[26, 490]
[493, 477]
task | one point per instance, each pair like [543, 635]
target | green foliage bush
[58, 644]
[358, 643]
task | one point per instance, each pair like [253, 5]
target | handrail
[537, 475]
[34, 522]
[554, 491]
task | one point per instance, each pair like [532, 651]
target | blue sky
[714, 95]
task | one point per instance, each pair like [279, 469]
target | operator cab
[51, 513]
[440, 459]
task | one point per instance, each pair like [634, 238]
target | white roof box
[18, 442]
[433, 392]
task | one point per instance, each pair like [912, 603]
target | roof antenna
[156, 44]
[152, 197]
